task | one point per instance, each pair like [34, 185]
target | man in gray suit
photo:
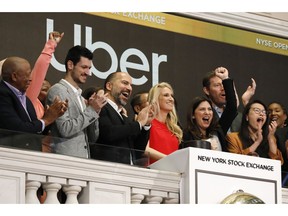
[79, 125]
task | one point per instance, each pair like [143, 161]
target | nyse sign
[123, 62]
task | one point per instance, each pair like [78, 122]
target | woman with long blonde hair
[165, 132]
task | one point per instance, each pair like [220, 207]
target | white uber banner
[211, 176]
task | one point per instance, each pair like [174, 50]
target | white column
[71, 193]
[284, 195]
[137, 198]
[51, 190]
[138, 195]
[171, 201]
[173, 198]
[153, 199]
[31, 192]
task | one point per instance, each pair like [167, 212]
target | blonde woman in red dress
[165, 133]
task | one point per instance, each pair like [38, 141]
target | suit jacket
[281, 136]
[234, 122]
[14, 117]
[119, 137]
[73, 131]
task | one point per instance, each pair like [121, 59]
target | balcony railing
[25, 173]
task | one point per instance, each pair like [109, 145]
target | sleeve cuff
[43, 124]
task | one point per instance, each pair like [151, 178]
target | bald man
[17, 112]
[123, 141]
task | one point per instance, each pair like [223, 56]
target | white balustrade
[82, 180]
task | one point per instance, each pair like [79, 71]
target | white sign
[210, 176]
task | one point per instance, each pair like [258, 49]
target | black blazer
[281, 136]
[14, 117]
[119, 137]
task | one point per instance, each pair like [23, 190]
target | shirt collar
[15, 90]
[75, 90]
[114, 105]
[218, 111]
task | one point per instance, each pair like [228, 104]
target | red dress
[161, 139]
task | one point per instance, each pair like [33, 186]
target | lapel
[115, 113]
[31, 110]
[124, 118]
[73, 97]
[20, 109]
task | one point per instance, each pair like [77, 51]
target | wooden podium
[208, 177]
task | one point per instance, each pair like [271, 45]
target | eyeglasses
[258, 111]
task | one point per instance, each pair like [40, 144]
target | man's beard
[118, 99]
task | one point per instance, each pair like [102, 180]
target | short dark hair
[136, 99]
[75, 53]
[281, 105]
[283, 108]
[110, 77]
[263, 148]
[89, 91]
[207, 77]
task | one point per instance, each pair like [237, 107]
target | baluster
[153, 199]
[171, 201]
[137, 198]
[51, 190]
[31, 192]
[71, 193]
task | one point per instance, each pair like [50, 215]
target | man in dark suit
[120, 137]
[17, 112]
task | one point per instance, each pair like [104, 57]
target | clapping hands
[97, 101]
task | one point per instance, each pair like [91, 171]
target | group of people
[258, 130]
[73, 122]
[95, 124]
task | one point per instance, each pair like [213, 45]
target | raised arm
[41, 66]
[248, 94]
[230, 111]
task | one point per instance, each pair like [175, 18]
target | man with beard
[120, 139]
[79, 125]
[214, 90]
